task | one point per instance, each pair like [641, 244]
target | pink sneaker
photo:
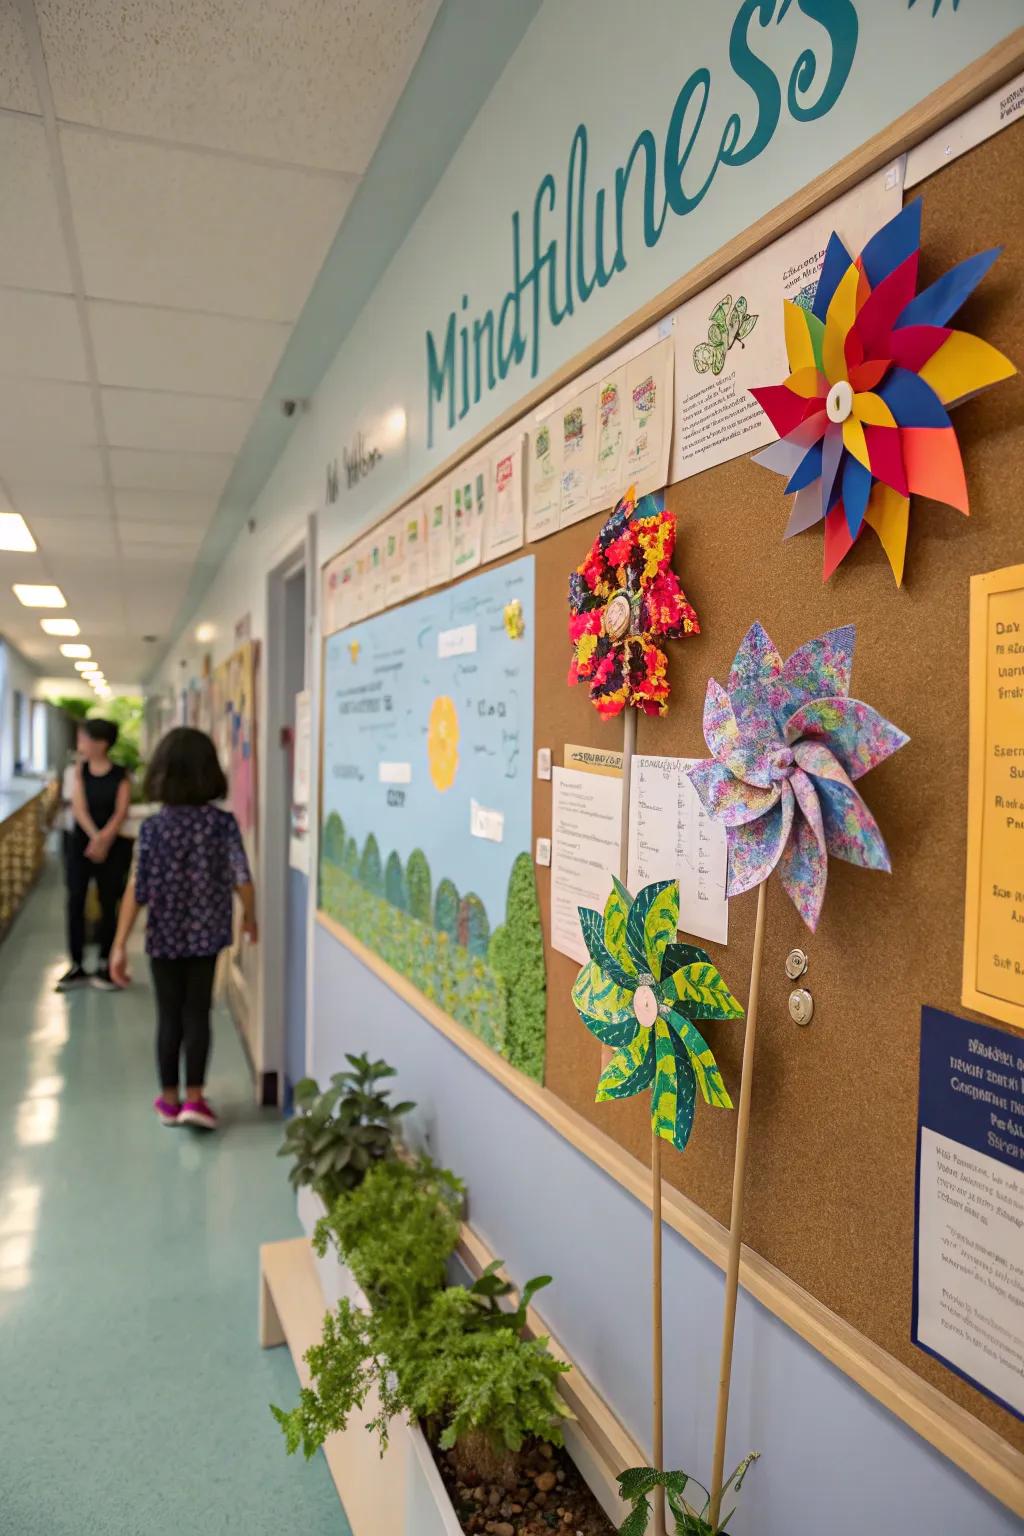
[168, 1114]
[198, 1112]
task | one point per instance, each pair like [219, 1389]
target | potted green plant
[690, 1519]
[335, 1136]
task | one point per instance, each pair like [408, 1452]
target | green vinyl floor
[133, 1392]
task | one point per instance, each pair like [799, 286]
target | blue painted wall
[295, 980]
[834, 1462]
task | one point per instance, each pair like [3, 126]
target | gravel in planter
[549, 1496]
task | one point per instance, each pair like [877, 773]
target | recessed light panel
[72, 651]
[60, 627]
[14, 534]
[39, 597]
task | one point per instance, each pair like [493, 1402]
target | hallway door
[297, 893]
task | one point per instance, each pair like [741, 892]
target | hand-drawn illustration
[432, 713]
[514, 619]
[729, 323]
[609, 423]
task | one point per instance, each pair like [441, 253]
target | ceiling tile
[139, 469]
[52, 464]
[145, 348]
[142, 538]
[17, 88]
[43, 411]
[54, 534]
[137, 418]
[36, 501]
[312, 84]
[196, 507]
[41, 335]
[158, 225]
[32, 251]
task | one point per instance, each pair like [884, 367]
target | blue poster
[427, 805]
[969, 1239]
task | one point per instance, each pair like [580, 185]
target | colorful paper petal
[652, 923]
[799, 344]
[806, 511]
[605, 1008]
[808, 470]
[871, 410]
[683, 954]
[592, 925]
[746, 753]
[912, 402]
[675, 1093]
[630, 1070]
[963, 365]
[851, 832]
[616, 911]
[838, 540]
[941, 301]
[883, 306]
[821, 666]
[803, 867]
[755, 847]
[702, 1060]
[856, 490]
[756, 662]
[836, 260]
[934, 465]
[911, 346]
[842, 311]
[894, 244]
[885, 455]
[700, 993]
[783, 409]
[888, 514]
[728, 798]
[853, 733]
[831, 458]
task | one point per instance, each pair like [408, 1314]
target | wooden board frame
[972, 1445]
[983, 587]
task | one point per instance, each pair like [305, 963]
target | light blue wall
[834, 1463]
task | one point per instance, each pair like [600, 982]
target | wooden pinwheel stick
[732, 1273]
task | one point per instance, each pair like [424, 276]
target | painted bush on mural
[440, 939]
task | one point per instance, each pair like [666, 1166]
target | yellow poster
[993, 978]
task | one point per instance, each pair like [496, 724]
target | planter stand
[402, 1493]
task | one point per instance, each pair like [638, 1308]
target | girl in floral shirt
[189, 863]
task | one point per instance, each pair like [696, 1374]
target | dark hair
[100, 730]
[184, 770]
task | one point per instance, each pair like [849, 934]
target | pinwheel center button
[783, 763]
[617, 616]
[645, 1006]
[840, 401]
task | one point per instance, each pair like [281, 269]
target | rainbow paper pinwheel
[788, 741]
[623, 601]
[863, 417]
[640, 993]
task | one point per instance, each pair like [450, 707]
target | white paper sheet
[716, 417]
[544, 476]
[414, 548]
[649, 420]
[503, 525]
[439, 535]
[393, 538]
[612, 422]
[578, 429]
[672, 837]
[469, 509]
[586, 816]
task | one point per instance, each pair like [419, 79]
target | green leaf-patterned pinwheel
[641, 993]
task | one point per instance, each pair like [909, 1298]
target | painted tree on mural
[516, 955]
[350, 861]
[395, 888]
[334, 838]
[474, 931]
[417, 877]
[371, 872]
[446, 910]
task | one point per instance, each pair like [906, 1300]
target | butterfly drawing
[728, 324]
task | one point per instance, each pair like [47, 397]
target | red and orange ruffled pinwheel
[863, 418]
[624, 600]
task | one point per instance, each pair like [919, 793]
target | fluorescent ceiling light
[14, 534]
[87, 666]
[75, 650]
[205, 633]
[39, 597]
[60, 626]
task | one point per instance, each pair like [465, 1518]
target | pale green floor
[133, 1393]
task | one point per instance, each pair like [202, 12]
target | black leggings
[111, 878]
[184, 991]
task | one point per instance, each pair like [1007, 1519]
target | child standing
[94, 848]
[189, 862]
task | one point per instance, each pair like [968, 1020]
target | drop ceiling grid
[170, 181]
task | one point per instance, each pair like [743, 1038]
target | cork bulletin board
[830, 1185]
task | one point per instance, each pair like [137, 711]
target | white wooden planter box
[403, 1493]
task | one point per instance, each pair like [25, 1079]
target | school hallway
[134, 1392]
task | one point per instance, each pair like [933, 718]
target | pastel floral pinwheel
[863, 418]
[640, 993]
[788, 742]
[624, 600]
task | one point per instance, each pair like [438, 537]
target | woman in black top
[94, 848]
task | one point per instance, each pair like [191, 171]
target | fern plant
[638, 1482]
[338, 1134]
